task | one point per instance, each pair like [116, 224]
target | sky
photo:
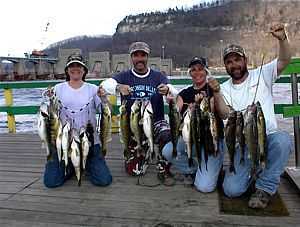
[24, 22]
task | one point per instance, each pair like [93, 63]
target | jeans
[206, 179]
[268, 179]
[97, 171]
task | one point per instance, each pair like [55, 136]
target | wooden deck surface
[25, 201]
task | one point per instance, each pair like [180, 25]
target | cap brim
[233, 52]
[76, 61]
[135, 50]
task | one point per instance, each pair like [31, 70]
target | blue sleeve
[119, 77]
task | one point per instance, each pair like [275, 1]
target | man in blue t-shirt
[141, 82]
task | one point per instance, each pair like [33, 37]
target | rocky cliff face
[203, 30]
[206, 30]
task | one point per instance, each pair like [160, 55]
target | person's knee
[53, 181]
[104, 180]
[205, 186]
[167, 151]
[232, 190]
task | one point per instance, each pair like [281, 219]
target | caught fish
[125, 130]
[54, 119]
[75, 154]
[240, 134]
[262, 136]
[135, 127]
[175, 120]
[84, 145]
[59, 141]
[43, 127]
[65, 142]
[251, 136]
[187, 135]
[105, 131]
[230, 137]
[147, 119]
[213, 126]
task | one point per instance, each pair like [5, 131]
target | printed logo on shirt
[143, 91]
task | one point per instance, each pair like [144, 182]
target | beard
[237, 73]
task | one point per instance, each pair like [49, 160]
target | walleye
[187, 135]
[75, 154]
[136, 129]
[43, 127]
[124, 129]
[262, 136]
[251, 137]
[175, 120]
[213, 126]
[65, 142]
[240, 134]
[105, 124]
[84, 145]
[230, 137]
[147, 119]
[59, 141]
[195, 131]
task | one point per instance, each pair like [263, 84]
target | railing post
[296, 118]
[114, 118]
[11, 122]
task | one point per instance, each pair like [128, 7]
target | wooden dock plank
[25, 201]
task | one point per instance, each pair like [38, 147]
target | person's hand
[124, 89]
[163, 89]
[278, 31]
[198, 98]
[101, 92]
[213, 84]
[170, 98]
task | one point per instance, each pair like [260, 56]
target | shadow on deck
[25, 201]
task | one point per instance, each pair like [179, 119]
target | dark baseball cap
[233, 48]
[198, 60]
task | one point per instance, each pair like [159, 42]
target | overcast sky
[23, 22]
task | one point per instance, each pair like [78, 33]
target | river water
[27, 123]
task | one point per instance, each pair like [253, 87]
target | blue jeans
[206, 179]
[96, 169]
[278, 151]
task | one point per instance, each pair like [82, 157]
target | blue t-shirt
[144, 88]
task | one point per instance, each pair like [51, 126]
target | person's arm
[179, 103]
[219, 103]
[284, 57]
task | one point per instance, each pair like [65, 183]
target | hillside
[204, 29]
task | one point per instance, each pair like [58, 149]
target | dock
[25, 201]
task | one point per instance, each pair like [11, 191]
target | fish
[135, 127]
[59, 141]
[187, 135]
[54, 119]
[251, 136]
[175, 121]
[240, 134]
[84, 145]
[124, 129]
[105, 131]
[213, 126]
[262, 136]
[147, 121]
[200, 135]
[230, 137]
[65, 142]
[43, 127]
[75, 154]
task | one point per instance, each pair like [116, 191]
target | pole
[296, 119]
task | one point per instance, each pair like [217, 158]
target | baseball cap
[139, 46]
[198, 60]
[76, 58]
[232, 48]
